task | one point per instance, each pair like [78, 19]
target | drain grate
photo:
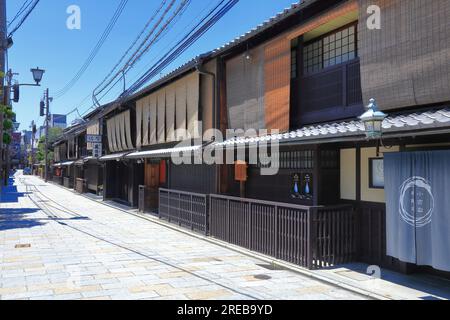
[207, 259]
[262, 277]
[22, 246]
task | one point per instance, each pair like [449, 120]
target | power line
[135, 41]
[139, 51]
[94, 51]
[190, 38]
[27, 14]
[210, 19]
[22, 9]
[75, 109]
[195, 19]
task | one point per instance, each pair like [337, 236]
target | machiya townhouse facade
[305, 76]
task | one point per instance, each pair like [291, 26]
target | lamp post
[373, 120]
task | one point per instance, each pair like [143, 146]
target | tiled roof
[405, 122]
[163, 152]
[294, 8]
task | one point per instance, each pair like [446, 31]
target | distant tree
[53, 135]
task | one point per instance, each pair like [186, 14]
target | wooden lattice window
[331, 49]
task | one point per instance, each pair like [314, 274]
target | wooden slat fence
[312, 237]
[185, 209]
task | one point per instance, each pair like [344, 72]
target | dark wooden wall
[122, 180]
[192, 178]
[93, 173]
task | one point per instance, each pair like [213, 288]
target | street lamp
[37, 75]
[373, 120]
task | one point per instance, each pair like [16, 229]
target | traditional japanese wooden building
[144, 131]
[75, 164]
[67, 152]
[309, 73]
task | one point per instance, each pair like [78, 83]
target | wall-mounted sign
[93, 138]
[302, 186]
[97, 150]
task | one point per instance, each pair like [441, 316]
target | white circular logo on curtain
[416, 202]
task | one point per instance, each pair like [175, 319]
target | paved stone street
[55, 244]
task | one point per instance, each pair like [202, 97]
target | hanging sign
[93, 138]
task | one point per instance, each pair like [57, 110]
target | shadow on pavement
[16, 219]
[10, 194]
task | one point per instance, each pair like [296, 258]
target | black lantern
[37, 75]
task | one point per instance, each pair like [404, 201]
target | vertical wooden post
[311, 237]
[276, 233]
[191, 209]
[242, 188]
[228, 221]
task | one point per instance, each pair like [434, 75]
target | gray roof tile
[431, 119]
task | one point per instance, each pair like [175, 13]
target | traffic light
[16, 89]
[42, 109]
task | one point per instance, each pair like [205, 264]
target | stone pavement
[55, 244]
[390, 284]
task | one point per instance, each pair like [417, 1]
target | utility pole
[3, 36]
[7, 89]
[33, 136]
[47, 115]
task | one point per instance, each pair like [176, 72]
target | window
[312, 57]
[303, 159]
[332, 49]
[294, 48]
[294, 63]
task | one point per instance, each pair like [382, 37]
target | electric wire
[213, 16]
[142, 50]
[25, 17]
[145, 68]
[95, 50]
[191, 37]
[134, 42]
[22, 9]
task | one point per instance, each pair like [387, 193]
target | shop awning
[56, 165]
[87, 159]
[91, 159]
[63, 164]
[79, 163]
[162, 153]
[114, 156]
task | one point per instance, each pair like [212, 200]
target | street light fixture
[373, 120]
[37, 75]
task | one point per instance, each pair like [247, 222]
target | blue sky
[44, 41]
